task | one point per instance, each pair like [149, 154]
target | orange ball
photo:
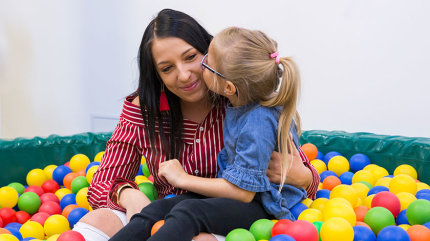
[68, 209]
[81, 172]
[4, 231]
[156, 226]
[360, 212]
[67, 181]
[418, 233]
[359, 223]
[310, 150]
[331, 182]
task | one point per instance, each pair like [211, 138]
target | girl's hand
[172, 172]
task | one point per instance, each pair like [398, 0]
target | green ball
[378, 218]
[262, 229]
[18, 187]
[145, 170]
[29, 202]
[78, 183]
[149, 190]
[318, 225]
[367, 184]
[418, 212]
[239, 234]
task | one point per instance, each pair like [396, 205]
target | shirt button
[197, 140]
[196, 171]
[201, 128]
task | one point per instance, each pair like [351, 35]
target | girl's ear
[229, 88]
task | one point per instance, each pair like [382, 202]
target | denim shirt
[250, 137]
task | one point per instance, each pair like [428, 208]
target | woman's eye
[191, 57]
[166, 69]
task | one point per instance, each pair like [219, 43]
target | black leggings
[189, 214]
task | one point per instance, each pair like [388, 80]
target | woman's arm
[173, 172]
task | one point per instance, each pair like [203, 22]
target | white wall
[65, 66]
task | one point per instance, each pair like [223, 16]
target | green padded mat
[19, 156]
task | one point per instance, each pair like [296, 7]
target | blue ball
[358, 161]
[401, 218]
[327, 173]
[59, 173]
[346, 178]
[75, 215]
[329, 155]
[67, 200]
[27, 239]
[393, 233]
[140, 172]
[91, 165]
[169, 196]
[377, 189]
[363, 233]
[282, 237]
[423, 194]
[389, 176]
[427, 225]
[297, 209]
[323, 193]
[15, 232]
[320, 156]
[13, 225]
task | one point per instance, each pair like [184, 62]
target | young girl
[262, 88]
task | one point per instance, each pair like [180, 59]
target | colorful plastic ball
[71, 236]
[92, 164]
[79, 162]
[363, 233]
[297, 209]
[98, 157]
[8, 197]
[75, 215]
[262, 229]
[405, 199]
[337, 229]
[387, 200]
[319, 165]
[345, 191]
[239, 234]
[401, 218]
[307, 202]
[403, 183]
[22, 217]
[311, 215]
[368, 201]
[59, 173]
[81, 198]
[40, 217]
[7, 215]
[404, 226]
[302, 230]
[310, 150]
[32, 229]
[378, 218]
[15, 232]
[360, 212]
[149, 190]
[13, 226]
[327, 173]
[68, 179]
[282, 237]
[169, 196]
[427, 225]
[50, 186]
[4, 231]
[338, 164]
[361, 189]
[378, 172]
[423, 194]
[385, 181]
[363, 175]
[140, 178]
[330, 182]
[358, 162]
[49, 197]
[329, 155]
[78, 183]
[67, 200]
[280, 227]
[36, 189]
[158, 225]
[36, 177]
[419, 233]
[319, 203]
[18, 187]
[49, 170]
[422, 185]
[340, 210]
[346, 178]
[393, 233]
[50, 207]
[406, 169]
[323, 193]
[377, 189]
[62, 192]
[29, 202]
[56, 224]
[145, 170]
[318, 225]
[53, 237]
[151, 178]
[68, 209]
[8, 237]
[418, 212]
[90, 173]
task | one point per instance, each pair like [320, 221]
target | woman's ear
[229, 88]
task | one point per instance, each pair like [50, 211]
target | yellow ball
[319, 165]
[340, 210]
[90, 173]
[319, 203]
[139, 179]
[363, 175]
[422, 185]
[81, 198]
[405, 226]
[60, 193]
[36, 177]
[56, 224]
[307, 202]
[142, 160]
[406, 169]
[405, 199]
[8, 197]
[403, 183]
[385, 181]
[49, 170]
[311, 215]
[361, 189]
[338, 200]
[98, 157]
[379, 172]
[345, 191]
[53, 237]
[336, 229]
[79, 162]
[368, 201]
[32, 229]
[8, 237]
[338, 164]
[370, 167]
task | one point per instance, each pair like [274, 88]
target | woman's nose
[184, 73]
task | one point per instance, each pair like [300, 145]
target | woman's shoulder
[136, 101]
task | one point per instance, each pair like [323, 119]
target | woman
[172, 115]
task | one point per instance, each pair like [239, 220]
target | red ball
[50, 186]
[71, 236]
[387, 200]
[7, 215]
[67, 164]
[1, 222]
[36, 189]
[49, 197]
[22, 217]
[302, 230]
[280, 227]
[50, 207]
[40, 217]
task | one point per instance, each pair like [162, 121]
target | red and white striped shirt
[129, 142]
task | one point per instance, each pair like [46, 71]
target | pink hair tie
[276, 55]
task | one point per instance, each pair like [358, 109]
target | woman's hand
[132, 200]
[172, 172]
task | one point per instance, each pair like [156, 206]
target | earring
[164, 104]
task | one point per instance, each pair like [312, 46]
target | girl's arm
[173, 172]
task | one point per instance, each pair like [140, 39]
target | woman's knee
[103, 219]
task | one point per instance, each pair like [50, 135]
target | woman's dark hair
[168, 23]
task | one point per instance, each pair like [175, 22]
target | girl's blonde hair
[243, 57]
